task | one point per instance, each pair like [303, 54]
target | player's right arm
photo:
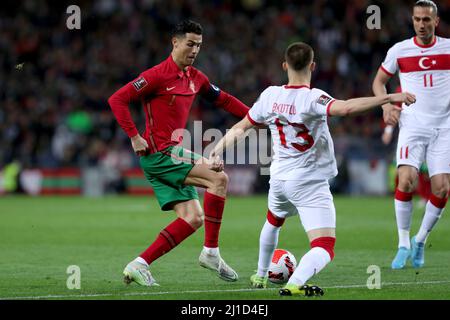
[359, 105]
[391, 114]
[255, 118]
[233, 136]
[388, 68]
[120, 101]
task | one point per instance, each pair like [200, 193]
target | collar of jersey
[426, 45]
[174, 67]
[296, 87]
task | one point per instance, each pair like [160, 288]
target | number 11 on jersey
[428, 80]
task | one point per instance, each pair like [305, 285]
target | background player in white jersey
[423, 63]
[303, 162]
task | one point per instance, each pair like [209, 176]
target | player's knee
[326, 243]
[220, 181]
[193, 217]
[441, 191]
[407, 183]
[195, 220]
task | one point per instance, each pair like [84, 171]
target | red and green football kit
[167, 93]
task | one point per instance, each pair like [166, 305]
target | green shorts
[166, 171]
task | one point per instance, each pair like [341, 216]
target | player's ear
[284, 66]
[312, 67]
[437, 22]
[174, 42]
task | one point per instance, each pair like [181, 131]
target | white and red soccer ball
[282, 266]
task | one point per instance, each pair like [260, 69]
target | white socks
[432, 215]
[268, 241]
[211, 251]
[141, 261]
[310, 264]
[403, 215]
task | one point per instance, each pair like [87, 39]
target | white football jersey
[297, 118]
[425, 72]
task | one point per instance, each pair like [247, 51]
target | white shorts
[311, 200]
[416, 145]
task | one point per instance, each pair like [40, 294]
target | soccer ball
[282, 266]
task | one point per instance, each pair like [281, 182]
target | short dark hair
[427, 3]
[186, 26]
[299, 55]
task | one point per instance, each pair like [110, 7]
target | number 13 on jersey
[302, 132]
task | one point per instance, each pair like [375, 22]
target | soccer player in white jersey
[423, 64]
[303, 162]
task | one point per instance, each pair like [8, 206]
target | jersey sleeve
[257, 115]
[120, 100]
[320, 103]
[207, 90]
[390, 65]
[146, 83]
[221, 98]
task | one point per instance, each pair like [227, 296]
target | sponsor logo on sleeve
[139, 83]
[324, 100]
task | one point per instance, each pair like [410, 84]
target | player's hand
[140, 145]
[391, 114]
[215, 163]
[403, 97]
[386, 138]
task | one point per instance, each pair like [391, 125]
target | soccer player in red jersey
[167, 92]
[423, 64]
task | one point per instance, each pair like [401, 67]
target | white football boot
[138, 272]
[216, 263]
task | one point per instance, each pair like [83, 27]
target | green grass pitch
[40, 237]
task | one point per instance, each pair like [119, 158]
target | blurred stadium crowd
[54, 111]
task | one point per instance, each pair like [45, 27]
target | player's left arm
[223, 99]
[233, 136]
[360, 105]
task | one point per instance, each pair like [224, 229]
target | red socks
[326, 243]
[403, 196]
[274, 220]
[213, 206]
[168, 238]
[179, 230]
[438, 202]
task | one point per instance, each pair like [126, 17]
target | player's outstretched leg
[403, 214]
[321, 253]
[137, 270]
[268, 240]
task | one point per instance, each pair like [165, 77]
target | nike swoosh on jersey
[168, 89]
